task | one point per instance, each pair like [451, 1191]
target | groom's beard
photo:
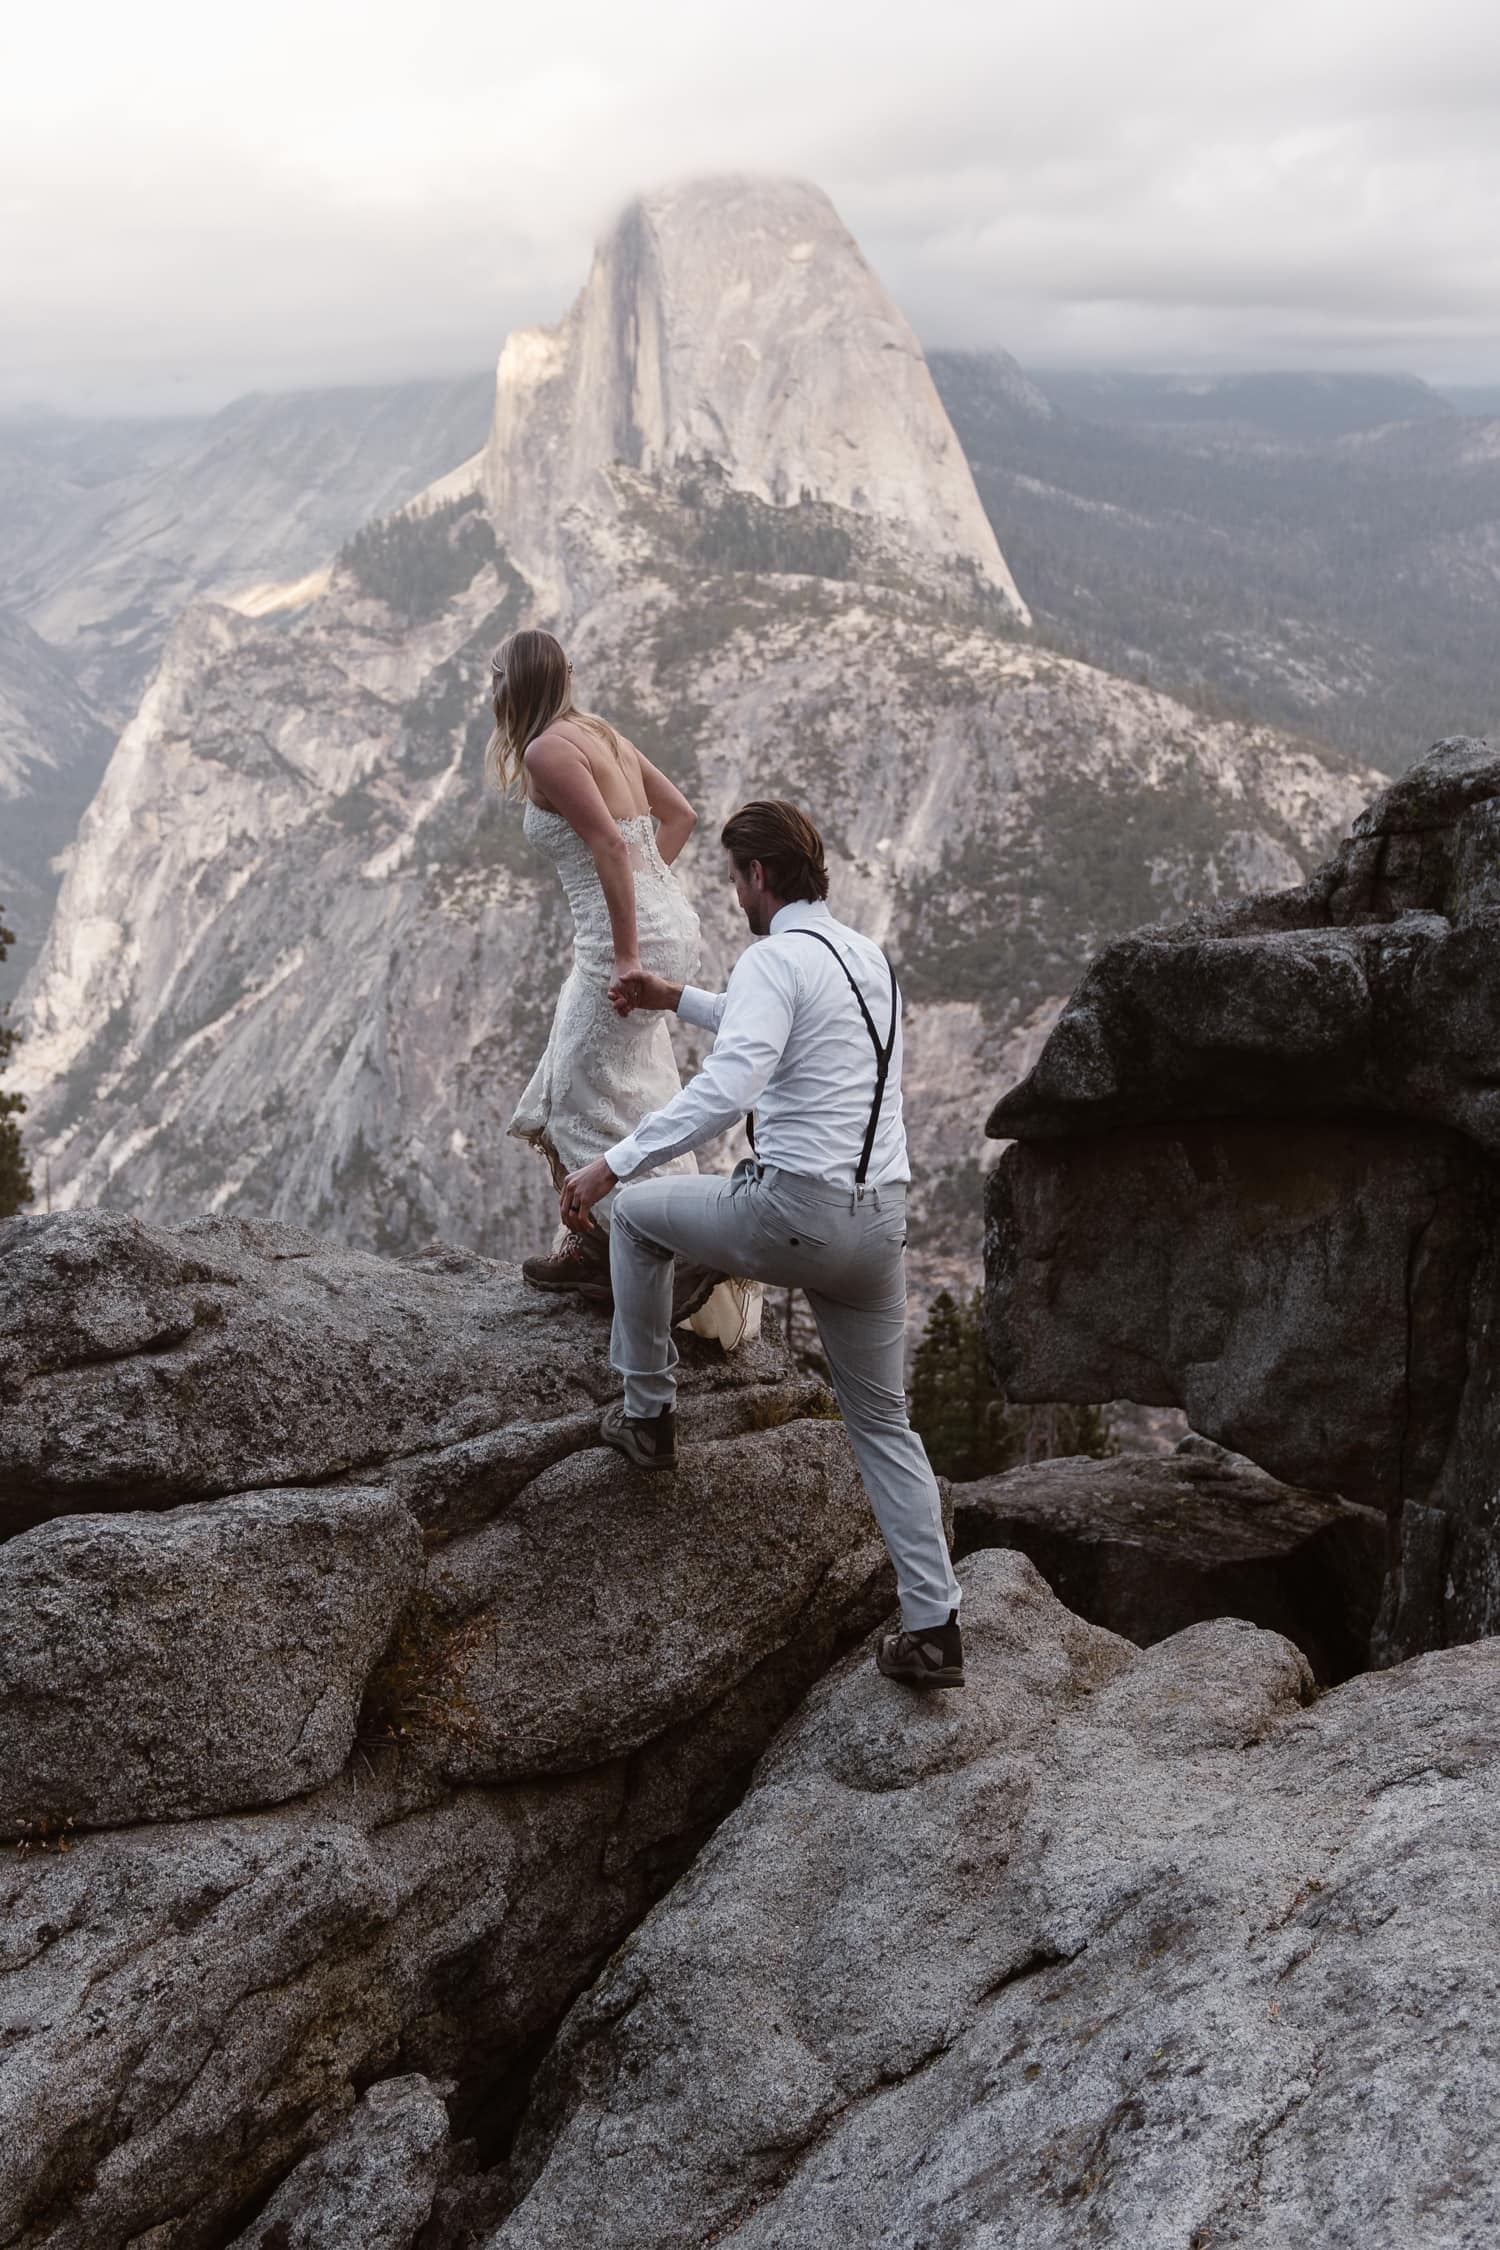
[758, 916]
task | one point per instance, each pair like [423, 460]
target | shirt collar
[798, 914]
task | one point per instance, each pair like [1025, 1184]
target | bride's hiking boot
[582, 1261]
[648, 1442]
[932, 1657]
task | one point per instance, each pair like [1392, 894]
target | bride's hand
[647, 991]
[625, 985]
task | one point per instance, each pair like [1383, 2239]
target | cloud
[190, 207]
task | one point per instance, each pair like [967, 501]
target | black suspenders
[883, 1051]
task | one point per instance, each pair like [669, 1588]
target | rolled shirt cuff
[624, 1158]
[701, 1008]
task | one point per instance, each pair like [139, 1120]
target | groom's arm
[652, 993]
[704, 1009]
[753, 1020]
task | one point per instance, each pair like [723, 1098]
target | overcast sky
[196, 202]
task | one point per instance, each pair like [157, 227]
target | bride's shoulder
[554, 737]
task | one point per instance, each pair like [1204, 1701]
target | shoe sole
[554, 1288]
[946, 1678]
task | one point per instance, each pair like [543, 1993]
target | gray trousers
[778, 1227]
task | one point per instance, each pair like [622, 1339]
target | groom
[808, 1035]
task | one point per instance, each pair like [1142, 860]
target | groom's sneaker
[933, 1657]
[584, 1259]
[648, 1443]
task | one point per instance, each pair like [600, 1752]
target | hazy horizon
[35, 410]
[192, 208]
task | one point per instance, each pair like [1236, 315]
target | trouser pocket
[790, 1228]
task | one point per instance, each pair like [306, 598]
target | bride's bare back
[620, 781]
[571, 770]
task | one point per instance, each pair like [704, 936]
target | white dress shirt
[792, 1045]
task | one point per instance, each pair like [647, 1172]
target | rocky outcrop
[140, 1366]
[1257, 1178]
[1118, 1939]
[1374, 988]
[1131, 1947]
[354, 1703]
[1150, 1545]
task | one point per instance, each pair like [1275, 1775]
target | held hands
[629, 973]
[581, 1191]
[635, 987]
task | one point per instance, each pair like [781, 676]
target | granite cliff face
[111, 530]
[108, 545]
[733, 322]
[1256, 1177]
[302, 968]
[53, 749]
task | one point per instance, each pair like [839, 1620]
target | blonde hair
[531, 687]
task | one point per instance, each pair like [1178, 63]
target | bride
[614, 825]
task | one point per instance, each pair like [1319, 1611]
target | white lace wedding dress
[603, 1073]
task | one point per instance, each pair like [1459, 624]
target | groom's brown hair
[785, 842]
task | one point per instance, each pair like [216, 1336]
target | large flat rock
[1143, 1948]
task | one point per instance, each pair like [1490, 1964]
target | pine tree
[15, 1175]
[949, 1393]
[970, 1429]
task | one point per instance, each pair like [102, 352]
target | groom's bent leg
[865, 1344]
[651, 1221]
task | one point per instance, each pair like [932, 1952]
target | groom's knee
[634, 1229]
